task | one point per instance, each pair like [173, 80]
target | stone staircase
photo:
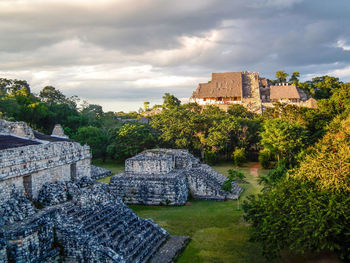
[117, 228]
[205, 183]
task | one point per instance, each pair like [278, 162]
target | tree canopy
[281, 76]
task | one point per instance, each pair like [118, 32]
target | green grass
[217, 229]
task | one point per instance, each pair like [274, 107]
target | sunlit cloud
[343, 45]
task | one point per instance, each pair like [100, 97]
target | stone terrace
[166, 176]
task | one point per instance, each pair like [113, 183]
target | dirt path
[254, 170]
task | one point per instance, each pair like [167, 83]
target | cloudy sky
[120, 53]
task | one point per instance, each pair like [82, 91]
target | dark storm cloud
[137, 50]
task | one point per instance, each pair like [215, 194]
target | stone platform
[167, 176]
[169, 189]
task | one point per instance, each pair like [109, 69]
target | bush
[274, 176]
[210, 158]
[237, 176]
[234, 176]
[265, 158]
[239, 156]
[227, 186]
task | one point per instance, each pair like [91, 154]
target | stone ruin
[167, 177]
[52, 210]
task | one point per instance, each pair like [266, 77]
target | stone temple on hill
[52, 210]
[250, 90]
[168, 177]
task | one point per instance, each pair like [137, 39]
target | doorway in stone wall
[73, 171]
[27, 184]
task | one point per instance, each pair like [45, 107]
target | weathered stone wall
[83, 169]
[28, 168]
[26, 160]
[149, 165]
[3, 251]
[7, 187]
[168, 189]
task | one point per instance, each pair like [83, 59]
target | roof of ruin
[8, 141]
[228, 84]
[284, 92]
[44, 137]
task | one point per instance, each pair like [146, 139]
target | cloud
[122, 52]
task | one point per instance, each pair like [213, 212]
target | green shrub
[239, 156]
[265, 158]
[227, 186]
[236, 175]
[274, 176]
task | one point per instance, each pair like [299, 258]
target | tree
[281, 76]
[294, 79]
[93, 113]
[219, 134]
[96, 138]
[328, 163]
[283, 139]
[170, 101]
[146, 105]
[12, 86]
[309, 209]
[323, 87]
[178, 128]
[338, 103]
[51, 95]
[239, 156]
[239, 111]
[314, 120]
[131, 139]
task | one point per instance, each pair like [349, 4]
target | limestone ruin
[248, 89]
[167, 177]
[52, 210]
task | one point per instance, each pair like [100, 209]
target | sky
[120, 53]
